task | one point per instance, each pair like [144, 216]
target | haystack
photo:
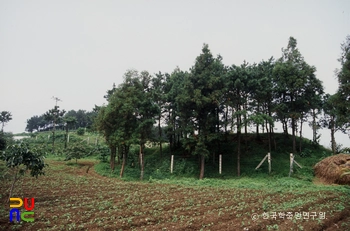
[334, 169]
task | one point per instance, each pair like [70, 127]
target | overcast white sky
[76, 50]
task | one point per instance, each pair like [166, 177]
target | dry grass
[331, 169]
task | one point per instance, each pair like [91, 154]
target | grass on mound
[158, 167]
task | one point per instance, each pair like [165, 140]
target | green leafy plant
[306, 153]
[80, 131]
[21, 158]
[77, 151]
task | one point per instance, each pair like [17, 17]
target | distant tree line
[71, 119]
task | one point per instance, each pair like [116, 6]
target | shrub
[81, 131]
[103, 153]
[6, 139]
[77, 151]
[22, 158]
[2, 142]
[305, 153]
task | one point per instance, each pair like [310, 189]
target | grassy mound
[334, 169]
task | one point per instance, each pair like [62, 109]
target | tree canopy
[5, 117]
[343, 106]
[197, 106]
[194, 109]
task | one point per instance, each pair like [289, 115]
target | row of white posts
[268, 157]
[291, 161]
[87, 139]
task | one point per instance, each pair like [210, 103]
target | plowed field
[75, 198]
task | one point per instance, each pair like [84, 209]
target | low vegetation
[86, 195]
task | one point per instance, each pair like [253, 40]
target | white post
[96, 142]
[172, 164]
[88, 140]
[220, 163]
[68, 139]
[291, 156]
[269, 161]
[297, 164]
[262, 161]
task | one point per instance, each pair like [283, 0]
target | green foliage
[297, 88]
[198, 106]
[22, 155]
[80, 131]
[345, 150]
[54, 115]
[343, 105]
[184, 168]
[83, 119]
[129, 116]
[3, 141]
[187, 166]
[35, 122]
[77, 151]
[305, 153]
[72, 120]
[102, 152]
[199, 102]
[5, 117]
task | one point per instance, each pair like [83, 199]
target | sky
[75, 50]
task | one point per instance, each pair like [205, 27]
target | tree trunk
[119, 154]
[123, 149]
[202, 159]
[53, 137]
[217, 120]
[293, 135]
[113, 155]
[301, 133]
[12, 186]
[274, 140]
[66, 137]
[232, 119]
[238, 145]
[257, 125]
[142, 160]
[333, 143]
[226, 119]
[160, 137]
[314, 128]
[239, 154]
[245, 120]
[285, 126]
[268, 135]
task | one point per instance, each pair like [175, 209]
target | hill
[253, 151]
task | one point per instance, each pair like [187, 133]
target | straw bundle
[334, 169]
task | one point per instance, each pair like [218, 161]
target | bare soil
[77, 198]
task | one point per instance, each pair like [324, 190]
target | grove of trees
[198, 107]
[337, 106]
[75, 119]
